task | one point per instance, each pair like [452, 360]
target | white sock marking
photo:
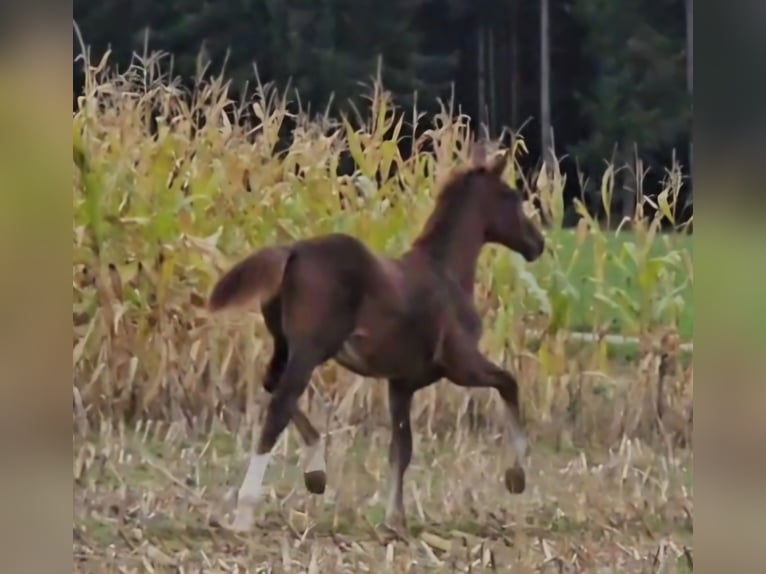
[518, 441]
[251, 485]
[250, 491]
[314, 459]
[243, 519]
[520, 447]
[392, 507]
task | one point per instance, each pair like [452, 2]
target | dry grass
[158, 215]
[153, 496]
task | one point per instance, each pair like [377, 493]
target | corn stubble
[165, 398]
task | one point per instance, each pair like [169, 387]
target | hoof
[243, 521]
[315, 481]
[392, 532]
[515, 480]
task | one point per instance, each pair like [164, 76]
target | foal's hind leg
[272, 316]
[466, 366]
[314, 468]
[314, 334]
[282, 407]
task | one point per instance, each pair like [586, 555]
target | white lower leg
[394, 499]
[314, 458]
[250, 490]
[518, 441]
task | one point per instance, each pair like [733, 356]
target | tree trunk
[515, 74]
[481, 74]
[492, 115]
[546, 139]
[689, 73]
[627, 182]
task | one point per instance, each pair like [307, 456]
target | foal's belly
[387, 358]
[350, 358]
[389, 339]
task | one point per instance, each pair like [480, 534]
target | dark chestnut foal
[410, 320]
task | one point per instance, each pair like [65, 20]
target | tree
[546, 135]
[689, 66]
[322, 47]
[637, 98]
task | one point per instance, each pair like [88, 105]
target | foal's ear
[478, 154]
[498, 164]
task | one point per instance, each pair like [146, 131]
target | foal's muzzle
[533, 249]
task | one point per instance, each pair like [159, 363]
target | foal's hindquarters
[323, 285]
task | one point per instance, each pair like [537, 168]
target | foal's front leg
[465, 366]
[399, 453]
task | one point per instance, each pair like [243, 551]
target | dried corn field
[166, 398]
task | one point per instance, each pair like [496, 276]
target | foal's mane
[452, 199]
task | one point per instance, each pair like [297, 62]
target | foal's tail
[258, 276]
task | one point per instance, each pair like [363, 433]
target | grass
[154, 494]
[155, 497]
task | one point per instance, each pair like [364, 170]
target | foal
[409, 320]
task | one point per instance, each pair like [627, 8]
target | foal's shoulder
[462, 306]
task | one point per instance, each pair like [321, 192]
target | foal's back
[347, 265]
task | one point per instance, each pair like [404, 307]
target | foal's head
[501, 210]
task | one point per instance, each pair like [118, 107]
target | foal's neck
[454, 250]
